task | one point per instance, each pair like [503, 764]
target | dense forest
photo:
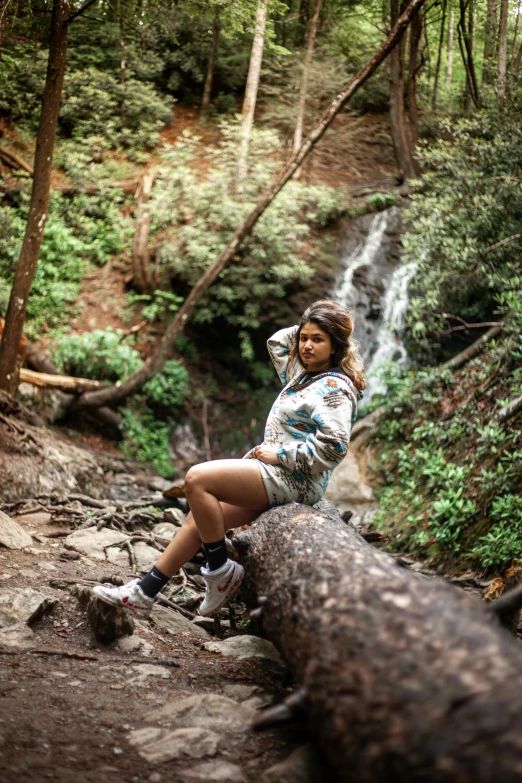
[179, 179]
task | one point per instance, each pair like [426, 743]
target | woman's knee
[194, 479]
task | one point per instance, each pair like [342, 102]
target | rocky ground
[174, 701]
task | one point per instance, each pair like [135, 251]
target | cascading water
[375, 289]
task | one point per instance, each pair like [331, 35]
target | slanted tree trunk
[140, 250]
[439, 57]
[298, 136]
[449, 59]
[466, 50]
[249, 101]
[490, 41]
[207, 89]
[413, 67]
[404, 678]
[470, 35]
[502, 48]
[399, 132]
[38, 207]
[115, 394]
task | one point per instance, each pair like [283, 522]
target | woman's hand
[267, 454]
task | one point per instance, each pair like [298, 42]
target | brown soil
[63, 719]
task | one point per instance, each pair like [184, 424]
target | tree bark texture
[207, 89]
[39, 198]
[142, 280]
[115, 394]
[439, 57]
[502, 48]
[449, 60]
[14, 161]
[250, 99]
[466, 50]
[298, 136]
[399, 131]
[514, 47]
[474, 349]
[413, 68]
[490, 42]
[407, 679]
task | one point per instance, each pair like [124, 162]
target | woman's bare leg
[187, 541]
[234, 481]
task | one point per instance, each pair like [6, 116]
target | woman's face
[315, 347]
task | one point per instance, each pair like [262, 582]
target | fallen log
[406, 678]
[14, 161]
[63, 382]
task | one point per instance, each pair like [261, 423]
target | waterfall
[363, 255]
[388, 343]
[377, 295]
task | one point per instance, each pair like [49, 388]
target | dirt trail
[63, 719]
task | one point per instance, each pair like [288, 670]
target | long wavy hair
[338, 323]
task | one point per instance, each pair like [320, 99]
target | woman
[307, 434]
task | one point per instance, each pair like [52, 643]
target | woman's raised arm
[279, 347]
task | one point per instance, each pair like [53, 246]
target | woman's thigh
[237, 482]
[235, 516]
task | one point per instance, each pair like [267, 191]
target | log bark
[502, 48]
[490, 42]
[38, 207]
[303, 92]
[14, 161]
[413, 69]
[449, 51]
[399, 132]
[115, 394]
[439, 57]
[407, 679]
[63, 382]
[474, 349]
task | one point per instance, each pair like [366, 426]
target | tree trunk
[140, 250]
[249, 102]
[115, 394]
[470, 31]
[397, 119]
[39, 198]
[404, 678]
[298, 136]
[14, 161]
[122, 61]
[62, 382]
[490, 37]
[449, 60]
[474, 349]
[517, 61]
[514, 47]
[439, 57]
[466, 50]
[207, 89]
[413, 67]
[502, 48]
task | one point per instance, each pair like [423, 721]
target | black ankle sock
[216, 554]
[152, 582]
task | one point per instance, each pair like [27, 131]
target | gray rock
[12, 535]
[215, 771]
[174, 623]
[165, 532]
[151, 670]
[135, 644]
[206, 710]
[157, 745]
[145, 556]
[19, 635]
[158, 484]
[92, 542]
[302, 766]
[250, 695]
[22, 605]
[245, 647]
[174, 516]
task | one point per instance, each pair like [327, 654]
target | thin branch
[81, 10]
[502, 242]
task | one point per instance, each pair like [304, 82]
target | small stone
[12, 535]
[22, 605]
[145, 556]
[117, 751]
[206, 710]
[134, 644]
[155, 777]
[157, 745]
[47, 567]
[215, 771]
[19, 635]
[245, 647]
[174, 515]
[151, 670]
[164, 532]
[174, 623]
[302, 766]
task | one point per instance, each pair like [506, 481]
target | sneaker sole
[229, 595]
[139, 614]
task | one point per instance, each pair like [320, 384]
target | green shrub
[147, 439]
[168, 387]
[104, 354]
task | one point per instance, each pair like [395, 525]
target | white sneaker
[221, 584]
[130, 596]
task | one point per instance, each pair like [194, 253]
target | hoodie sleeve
[323, 449]
[279, 347]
